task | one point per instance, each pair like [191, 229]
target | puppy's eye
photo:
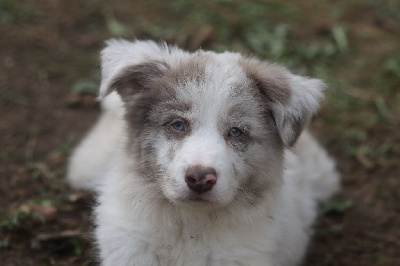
[235, 132]
[178, 126]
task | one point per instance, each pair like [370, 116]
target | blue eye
[178, 126]
[235, 132]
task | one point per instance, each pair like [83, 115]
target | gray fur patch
[271, 80]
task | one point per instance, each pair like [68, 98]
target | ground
[49, 72]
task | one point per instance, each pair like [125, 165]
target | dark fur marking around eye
[235, 132]
[240, 142]
[177, 128]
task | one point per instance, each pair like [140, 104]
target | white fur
[155, 223]
[91, 159]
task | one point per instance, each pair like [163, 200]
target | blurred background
[49, 75]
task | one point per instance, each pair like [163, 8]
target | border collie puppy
[202, 159]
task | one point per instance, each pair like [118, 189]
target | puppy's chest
[205, 246]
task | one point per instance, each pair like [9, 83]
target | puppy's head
[206, 127]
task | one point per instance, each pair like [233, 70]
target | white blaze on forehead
[211, 95]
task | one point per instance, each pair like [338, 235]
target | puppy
[202, 159]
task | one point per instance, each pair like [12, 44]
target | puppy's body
[230, 119]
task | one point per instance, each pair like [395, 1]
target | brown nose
[200, 179]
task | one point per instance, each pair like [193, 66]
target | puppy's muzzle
[200, 178]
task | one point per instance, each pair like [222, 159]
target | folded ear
[293, 116]
[128, 67]
[292, 99]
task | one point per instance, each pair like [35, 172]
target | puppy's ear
[294, 115]
[130, 67]
[293, 100]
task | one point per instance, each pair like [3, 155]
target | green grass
[16, 220]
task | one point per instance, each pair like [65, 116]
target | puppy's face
[210, 134]
[208, 128]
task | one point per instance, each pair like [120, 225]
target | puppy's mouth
[197, 198]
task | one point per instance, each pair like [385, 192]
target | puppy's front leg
[118, 247]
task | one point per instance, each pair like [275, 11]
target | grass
[16, 220]
[335, 206]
